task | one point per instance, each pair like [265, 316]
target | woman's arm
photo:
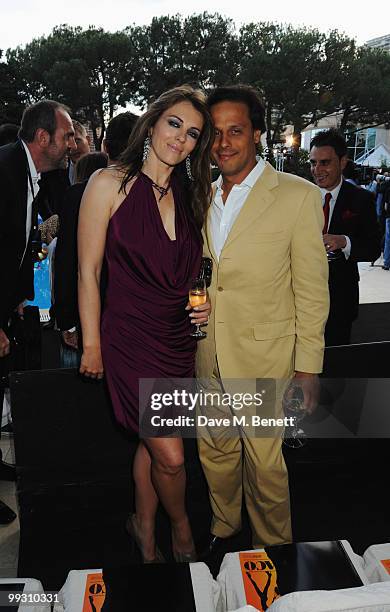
[95, 211]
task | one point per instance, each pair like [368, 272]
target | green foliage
[298, 163]
[92, 71]
[11, 103]
[200, 49]
[303, 74]
[284, 64]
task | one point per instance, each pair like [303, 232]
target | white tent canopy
[380, 155]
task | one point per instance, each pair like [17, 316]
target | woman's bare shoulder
[112, 178]
[106, 178]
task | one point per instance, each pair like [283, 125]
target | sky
[23, 20]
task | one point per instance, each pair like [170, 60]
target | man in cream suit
[270, 302]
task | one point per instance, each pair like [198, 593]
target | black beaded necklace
[162, 190]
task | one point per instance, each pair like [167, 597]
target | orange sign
[260, 579]
[95, 593]
[386, 564]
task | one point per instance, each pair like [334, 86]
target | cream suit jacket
[269, 290]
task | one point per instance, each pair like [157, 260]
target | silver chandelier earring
[188, 168]
[146, 148]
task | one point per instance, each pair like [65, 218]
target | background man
[270, 302]
[350, 230]
[83, 146]
[46, 138]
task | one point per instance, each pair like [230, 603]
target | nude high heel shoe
[183, 557]
[133, 530]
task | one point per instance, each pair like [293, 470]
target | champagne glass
[198, 296]
[293, 406]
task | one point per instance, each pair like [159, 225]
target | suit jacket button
[220, 288]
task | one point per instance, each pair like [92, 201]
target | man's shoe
[385, 268]
[6, 514]
[7, 471]
[215, 547]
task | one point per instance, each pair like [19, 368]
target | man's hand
[71, 339]
[4, 344]
[333, 242]
[310, 385]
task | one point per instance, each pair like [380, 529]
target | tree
[355, 82]
[302, 74]
[284, 64]
[201, 50]
[11, 103]
[92, 71]
[212, 49]
[365, 95]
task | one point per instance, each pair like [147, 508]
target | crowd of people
[380, 187]
[132, 224]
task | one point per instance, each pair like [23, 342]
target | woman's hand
[200, 314]
[92, 364]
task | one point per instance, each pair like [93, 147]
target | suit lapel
[21, 182]
[207, 228]
[257, 202]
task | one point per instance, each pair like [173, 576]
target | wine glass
[198, 296]
[293, 406]
[333, 255]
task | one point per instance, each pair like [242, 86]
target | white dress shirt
[35, 176]
[223, 216]
[334, 193]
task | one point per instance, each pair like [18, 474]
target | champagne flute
[198, 296]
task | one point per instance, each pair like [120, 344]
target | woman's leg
[169, 480]
[146, 500]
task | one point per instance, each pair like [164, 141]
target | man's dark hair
[330, 138]
[244, 94]
[8, 133]
[117, 134]
[40, 115]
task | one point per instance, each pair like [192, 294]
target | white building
[382, 42]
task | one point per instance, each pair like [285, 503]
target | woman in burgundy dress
[145, 217]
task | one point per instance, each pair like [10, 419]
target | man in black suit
[350, 234]
[46, 138]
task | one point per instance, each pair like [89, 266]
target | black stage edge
[74, 477]
[300, 567]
